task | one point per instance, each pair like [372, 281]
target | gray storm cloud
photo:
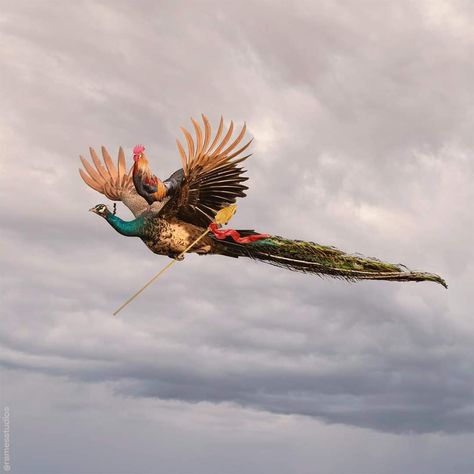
[362, 117]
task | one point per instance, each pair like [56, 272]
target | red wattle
[221, 234]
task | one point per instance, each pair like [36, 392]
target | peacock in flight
[170, 215]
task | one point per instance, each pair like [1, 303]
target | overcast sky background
[362, 114]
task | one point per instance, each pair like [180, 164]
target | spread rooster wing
[210, 178]
[112, 181]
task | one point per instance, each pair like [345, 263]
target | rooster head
[138, 152]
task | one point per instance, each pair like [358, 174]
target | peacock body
[172, 237]
[162, 236]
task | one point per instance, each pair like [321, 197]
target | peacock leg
[176, 256]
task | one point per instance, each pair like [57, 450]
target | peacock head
[101, 210]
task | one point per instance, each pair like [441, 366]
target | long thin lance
[222, 217]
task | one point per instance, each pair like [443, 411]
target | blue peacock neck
[133, 228]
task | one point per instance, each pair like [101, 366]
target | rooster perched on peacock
[170, 215]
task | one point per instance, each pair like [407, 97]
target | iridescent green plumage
[135, 228]
[310, 257]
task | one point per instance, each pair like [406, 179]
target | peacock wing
[211, 179]
[112, 181]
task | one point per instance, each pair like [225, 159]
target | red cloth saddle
[222, 234]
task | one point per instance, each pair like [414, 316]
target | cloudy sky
[363, 118]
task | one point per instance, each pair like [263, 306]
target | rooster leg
[148, 209]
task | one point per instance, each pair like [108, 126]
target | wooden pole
[222, 217]
[161, 272]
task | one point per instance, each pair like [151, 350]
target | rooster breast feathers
[146, 183]
[150, 187]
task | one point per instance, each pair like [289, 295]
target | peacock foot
[176, 256]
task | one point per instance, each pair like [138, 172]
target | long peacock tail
[309, 257]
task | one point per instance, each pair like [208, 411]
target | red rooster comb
[138, 149]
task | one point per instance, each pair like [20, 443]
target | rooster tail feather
[309, 257]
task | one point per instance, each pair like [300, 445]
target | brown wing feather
[113, 182]
[212, 179]
[108, 163]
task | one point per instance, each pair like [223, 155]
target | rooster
[147, 185]
[185, 205]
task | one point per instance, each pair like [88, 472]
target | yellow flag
[225, 214]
